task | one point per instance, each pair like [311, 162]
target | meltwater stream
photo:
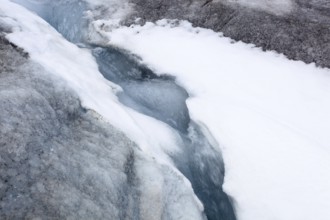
[160, 97]
[156, 96]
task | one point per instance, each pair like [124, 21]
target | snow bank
[269, 114]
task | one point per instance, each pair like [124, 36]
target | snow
[78, 68]
[269, 114]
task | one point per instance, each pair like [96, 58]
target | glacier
[138, 90]
[127, 119]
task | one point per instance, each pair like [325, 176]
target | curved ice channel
[156, 96]
[162, 98]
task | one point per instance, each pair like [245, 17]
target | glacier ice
[78, 165]
[65, 16]
[263, 115]
[201, 162]
[156, 96]
[57, 159]
[60, 160]
[160, 97]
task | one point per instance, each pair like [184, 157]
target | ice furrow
[153, 95]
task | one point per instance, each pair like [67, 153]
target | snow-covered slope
[270, 115]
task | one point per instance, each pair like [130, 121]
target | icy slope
[195, 154]
[271, 115]
[63, 159]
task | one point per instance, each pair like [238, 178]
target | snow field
[269, 114]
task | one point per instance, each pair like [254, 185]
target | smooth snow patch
[270, 115]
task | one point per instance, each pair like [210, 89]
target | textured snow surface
[269, 114]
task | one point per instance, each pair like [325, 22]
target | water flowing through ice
[153, 95]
